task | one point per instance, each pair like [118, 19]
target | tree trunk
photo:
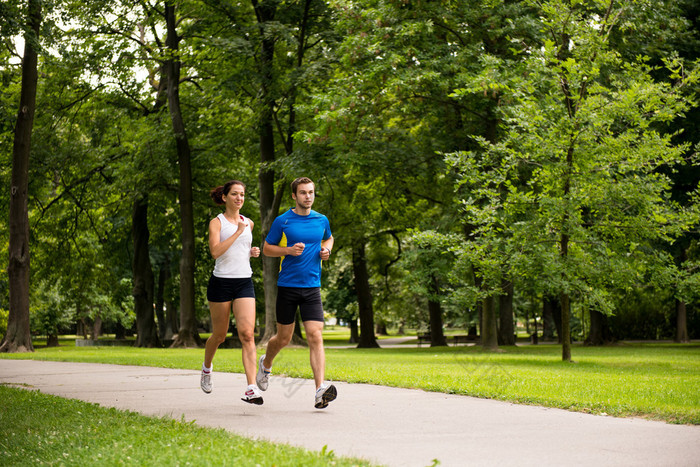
[506, 329]
[159, 299]
[548, 325]
[599, 333]
[354, 332]
[565, 334]
[269, 199]
[681, 322]
[146, 333]
[437, 336]
[402, 327]
[171, 313]
[556, 317]
[82, 326]
[489, 331]
[187, 334]
[18, 336]
[565, 328]
[96, 328]
[364, 297]
[120, 332]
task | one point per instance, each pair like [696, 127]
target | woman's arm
[216, 246]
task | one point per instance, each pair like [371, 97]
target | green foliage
[366, 102]
[639, 315]
[50, 314]
[4, 314]
[341, 299]
[571, 199]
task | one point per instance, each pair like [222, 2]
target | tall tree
[18, 336]
[187, 334]
[269, 199]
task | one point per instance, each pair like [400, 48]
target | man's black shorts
[308, 299]
[224, 289]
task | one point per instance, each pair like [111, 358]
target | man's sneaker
[324, 395]
[263, 375]
[252, 396]
[205, 382]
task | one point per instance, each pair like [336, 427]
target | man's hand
[325, 254]
[297, 249]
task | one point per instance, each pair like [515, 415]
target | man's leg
[278, 342]
[317, 354]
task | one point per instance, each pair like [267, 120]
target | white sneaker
[263, 375]
[324, 395]
[205, 382]
[252, 396]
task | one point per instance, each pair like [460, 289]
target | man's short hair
[300, 181]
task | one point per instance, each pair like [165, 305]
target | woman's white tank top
[235, 262]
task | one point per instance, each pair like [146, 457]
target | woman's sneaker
[205, 382]
[324, 395]
[252, 396]
[263, 375]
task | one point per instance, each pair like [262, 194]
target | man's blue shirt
[290, 228]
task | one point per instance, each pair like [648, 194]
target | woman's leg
[244, 313]
[220, 316]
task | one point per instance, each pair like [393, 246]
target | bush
[644, 315]
[4, 315]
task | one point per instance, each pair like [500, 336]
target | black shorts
[224, 289]
[307, 299]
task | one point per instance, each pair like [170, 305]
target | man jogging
[302, 237]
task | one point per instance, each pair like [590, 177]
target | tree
[577, 175]
[429, 254]
[18, 336]
[187, 335]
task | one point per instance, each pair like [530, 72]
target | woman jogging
[231, 285]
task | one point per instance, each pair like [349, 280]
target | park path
[389, 426]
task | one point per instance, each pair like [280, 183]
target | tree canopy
[476, 161]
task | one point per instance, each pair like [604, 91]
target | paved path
[394, 427]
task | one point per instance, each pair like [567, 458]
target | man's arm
[326, 247]
[275, 251]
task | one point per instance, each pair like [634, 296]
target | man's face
[305, 195]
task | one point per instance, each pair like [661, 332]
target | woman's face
[235, 196]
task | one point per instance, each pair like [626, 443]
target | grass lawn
[656, 381]
[41, 429]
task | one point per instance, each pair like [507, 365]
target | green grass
[656, 381]
[58, 431]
